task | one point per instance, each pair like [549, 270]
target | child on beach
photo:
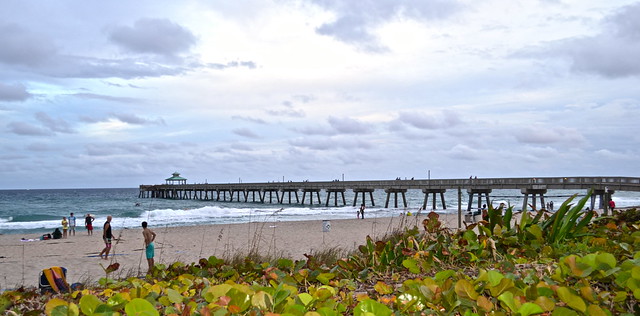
[65, 226]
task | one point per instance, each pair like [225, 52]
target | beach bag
[54, 279]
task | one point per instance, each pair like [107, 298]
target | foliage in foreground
[564, 263]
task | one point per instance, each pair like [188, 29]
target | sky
[111, 94]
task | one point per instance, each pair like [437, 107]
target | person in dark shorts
[107, 236]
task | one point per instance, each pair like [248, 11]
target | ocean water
[41, 211]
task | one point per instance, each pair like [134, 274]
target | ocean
[41, 211]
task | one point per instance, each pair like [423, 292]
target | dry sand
[22, 261]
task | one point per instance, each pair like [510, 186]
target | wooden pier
[477, 189]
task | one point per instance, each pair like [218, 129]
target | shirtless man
[149, 237]
[107, 236]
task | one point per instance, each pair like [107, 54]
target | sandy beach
[22, 261]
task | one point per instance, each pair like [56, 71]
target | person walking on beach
[149, 237]
[88, 223]
[612, 205]
[362, 207]
[107, 236]
[72, 224]
[65, 226]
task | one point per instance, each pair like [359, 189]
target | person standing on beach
[107, 236]
[612, 205]
[362, 207]
[149, 237]
[88, 223]
[65, 226]
[72, 224]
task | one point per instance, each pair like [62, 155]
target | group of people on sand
[69, 228]
[148, 235]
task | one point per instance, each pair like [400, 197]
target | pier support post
[604, 196]
[311, 191]
[335, 196]
[289, 191]
[537, 190]
[434, 192]
[395, 193]
[479, 192]
[364, 199]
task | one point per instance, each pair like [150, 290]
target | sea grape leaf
[371, 307]
[411, 265]
[383, 288]
[563, 311]
[465, 289]
[216, 291]
[607, 259]
[305, 299]
[545, 303]
[326, 311]
[529, 309]
[239, 298]
[502, 286]
[174, 296]
[89, 303]
[507, 299]
[595, 310]
[324, 278]
[445, 274]
[117, 301]
[494, 277]
[635, 272]
[140, 307]
[52, 304]
[572, 300]
[484, 303]
[65, 310]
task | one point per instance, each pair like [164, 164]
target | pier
[533, 190]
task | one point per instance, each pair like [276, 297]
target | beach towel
[54, 279]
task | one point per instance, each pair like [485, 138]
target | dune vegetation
[570, 262]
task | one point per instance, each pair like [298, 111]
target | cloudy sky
[123, 93]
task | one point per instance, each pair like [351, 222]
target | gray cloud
[330, 143]
[245, 132]
[544, 135]
[26, 129]
[137, 120]
[423, 120]
[55, 125]
[249, 119]
[24, 50]
[17, 92]
[613, 53]
[233, 64]
[347, 125]
[22, 47]
[154, 36]
[125, 118]
[355, 20]
[288, 111]
[93, 96]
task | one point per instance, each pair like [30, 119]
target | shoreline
[22, 261]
